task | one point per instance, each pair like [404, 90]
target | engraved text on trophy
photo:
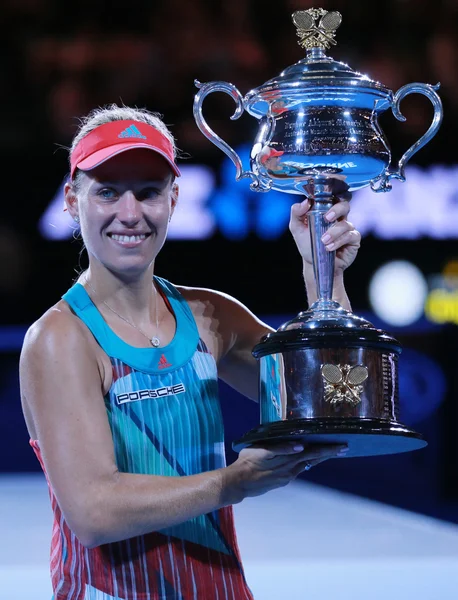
[327, 131]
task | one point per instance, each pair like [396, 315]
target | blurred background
[60, 60]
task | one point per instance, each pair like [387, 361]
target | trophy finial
[313, 35]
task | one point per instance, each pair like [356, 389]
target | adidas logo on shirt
[163, 363]
[132, 132]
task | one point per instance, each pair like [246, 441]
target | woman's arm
[240, 330]
[61, 388]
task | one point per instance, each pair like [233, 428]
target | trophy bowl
[327, 376]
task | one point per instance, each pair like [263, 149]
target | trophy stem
[323, 260]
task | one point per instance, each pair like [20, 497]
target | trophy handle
[411, 88]
[258, 184]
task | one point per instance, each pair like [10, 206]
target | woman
[119, 386]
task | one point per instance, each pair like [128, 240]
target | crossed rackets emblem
[343, 383]
[312, 35]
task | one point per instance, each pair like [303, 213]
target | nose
[129, 208]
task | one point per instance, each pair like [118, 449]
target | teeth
[128, 238]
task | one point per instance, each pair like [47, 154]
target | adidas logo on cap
[132, 132]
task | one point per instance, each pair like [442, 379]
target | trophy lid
[316, 29]
[326, 324]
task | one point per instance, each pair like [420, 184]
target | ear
[174, 192]
[71, 200]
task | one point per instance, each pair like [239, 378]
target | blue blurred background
[58, 63]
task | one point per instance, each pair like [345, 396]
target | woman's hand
[258, 470]
[341, 237]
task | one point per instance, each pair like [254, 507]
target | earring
[77, 219]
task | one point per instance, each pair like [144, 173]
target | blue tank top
[165, 419]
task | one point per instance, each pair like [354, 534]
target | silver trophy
[326, 376]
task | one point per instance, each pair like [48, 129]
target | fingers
[262, 469]
[274, 450]
[313, 455]
[305, 465]
[338, 211]
[310, 453]
[340, 234]
[323, 452]
[350, 238]
[289, 454]
[300, 209]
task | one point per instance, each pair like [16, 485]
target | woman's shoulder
[221, 305]
[58, 331]
[220, 318]
[58, 320]
[205, 295]
[58, 327]
[58, 365]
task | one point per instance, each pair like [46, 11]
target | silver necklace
[154, 341]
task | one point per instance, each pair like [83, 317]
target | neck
[133, 297]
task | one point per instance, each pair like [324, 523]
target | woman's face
[131, 194]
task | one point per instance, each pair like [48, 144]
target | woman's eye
[148, 193]
[107, 193]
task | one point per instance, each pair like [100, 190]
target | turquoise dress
[165, 419]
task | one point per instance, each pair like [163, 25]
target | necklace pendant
[155, 341]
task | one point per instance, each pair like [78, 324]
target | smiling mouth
[129, 239]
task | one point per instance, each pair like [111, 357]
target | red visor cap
[271, 153]
[115, 137]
